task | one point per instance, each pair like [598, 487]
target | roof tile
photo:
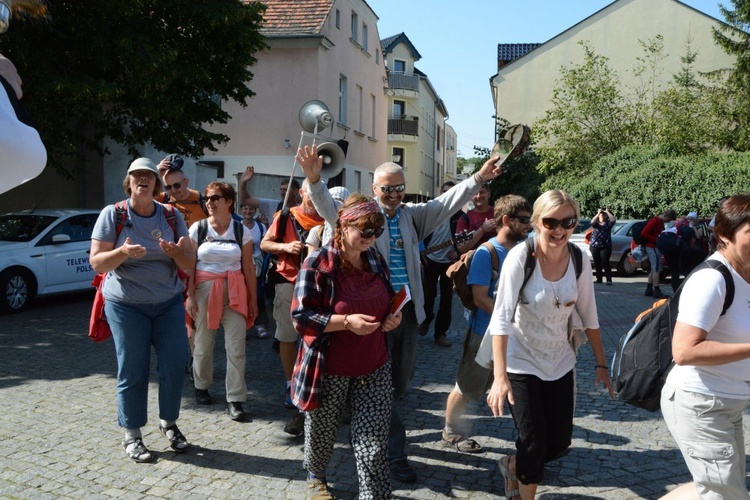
[295, 17]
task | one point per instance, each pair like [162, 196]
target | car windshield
[616, 228]
[23, 227]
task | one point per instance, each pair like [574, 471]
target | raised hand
[310, 162]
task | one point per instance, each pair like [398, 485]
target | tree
[734, 38]
[142, 71]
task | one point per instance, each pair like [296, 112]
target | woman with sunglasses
[533, 356]
[343, 289]
[222, 292]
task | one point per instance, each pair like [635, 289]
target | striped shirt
[397, 261]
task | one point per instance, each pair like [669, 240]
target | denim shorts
[708, 430]
[654, 257]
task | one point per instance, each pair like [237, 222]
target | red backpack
[98, 327]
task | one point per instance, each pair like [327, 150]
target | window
[372, 111]
[399, 109]
[342, 99]
[439, 134]
[364, 36]
[358, 180]
[397, 156]
[399, 66]
[338, 18]
[355, 26]
[377, 56]
[361, 104]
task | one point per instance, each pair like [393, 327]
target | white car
[43, 252]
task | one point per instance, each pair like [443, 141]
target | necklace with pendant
[556, 301]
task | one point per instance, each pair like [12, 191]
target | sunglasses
[369, 232]
[389, 189]
[523, 219]
[567, 223]
[214, 198]
[176, 185]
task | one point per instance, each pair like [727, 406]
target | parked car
[44, 252]
[622, 235]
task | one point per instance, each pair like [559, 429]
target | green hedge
[641, 181]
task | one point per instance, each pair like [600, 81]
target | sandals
[510, 479]
[462, 443]
[177, 441]
[137, 451]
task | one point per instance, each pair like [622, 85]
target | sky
[445, 28]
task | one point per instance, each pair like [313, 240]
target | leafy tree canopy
[141, 71]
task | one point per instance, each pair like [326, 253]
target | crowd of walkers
[347, 343]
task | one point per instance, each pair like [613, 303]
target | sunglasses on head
[523, 219]
[176, 185]
[214, 198]
[389, 189]
[566, 223]
[369, 232]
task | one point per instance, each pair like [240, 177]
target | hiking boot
[442, 341]
[296, 426]
[202, 397]
[658, 295]
[649, 291]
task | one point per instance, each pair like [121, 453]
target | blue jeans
[402, 346]
[135, 328]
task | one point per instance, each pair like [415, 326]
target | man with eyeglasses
[406, 226]
[512, 217]
[189, 202]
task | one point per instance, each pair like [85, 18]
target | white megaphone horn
[314, 116]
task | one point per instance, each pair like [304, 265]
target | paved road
[59, 434]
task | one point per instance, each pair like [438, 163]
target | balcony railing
[401, 81]
[404, 126]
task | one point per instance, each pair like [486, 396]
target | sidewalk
[59, 434]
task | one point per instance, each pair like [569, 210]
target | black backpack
[668, 241]
[239, 230]
[637, 229]
[643, 357]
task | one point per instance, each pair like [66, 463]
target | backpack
[239, 230]
[668, 241]
[98, 327]
[458, 272]
[637, 229]
[643, 357]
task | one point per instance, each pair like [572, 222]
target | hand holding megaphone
[310, 162]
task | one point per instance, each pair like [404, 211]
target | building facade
[527, 72]
[416, 121]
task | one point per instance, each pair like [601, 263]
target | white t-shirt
[538, 330]
[219, 253]
[701, 303]
[256, 234]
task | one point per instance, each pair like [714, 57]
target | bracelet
[601, 366]
[478, 178]
[346, 322]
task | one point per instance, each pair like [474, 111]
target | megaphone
[334, 159]
[314, 115]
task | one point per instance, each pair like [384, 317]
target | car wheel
[625, 267]
[18, 290]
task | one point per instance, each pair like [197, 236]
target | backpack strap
[239, 231]
[728, 281]
[530, 263]
[493, 255]
[121, 216]
[202, 203]
[202, 231]
[171, 219]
